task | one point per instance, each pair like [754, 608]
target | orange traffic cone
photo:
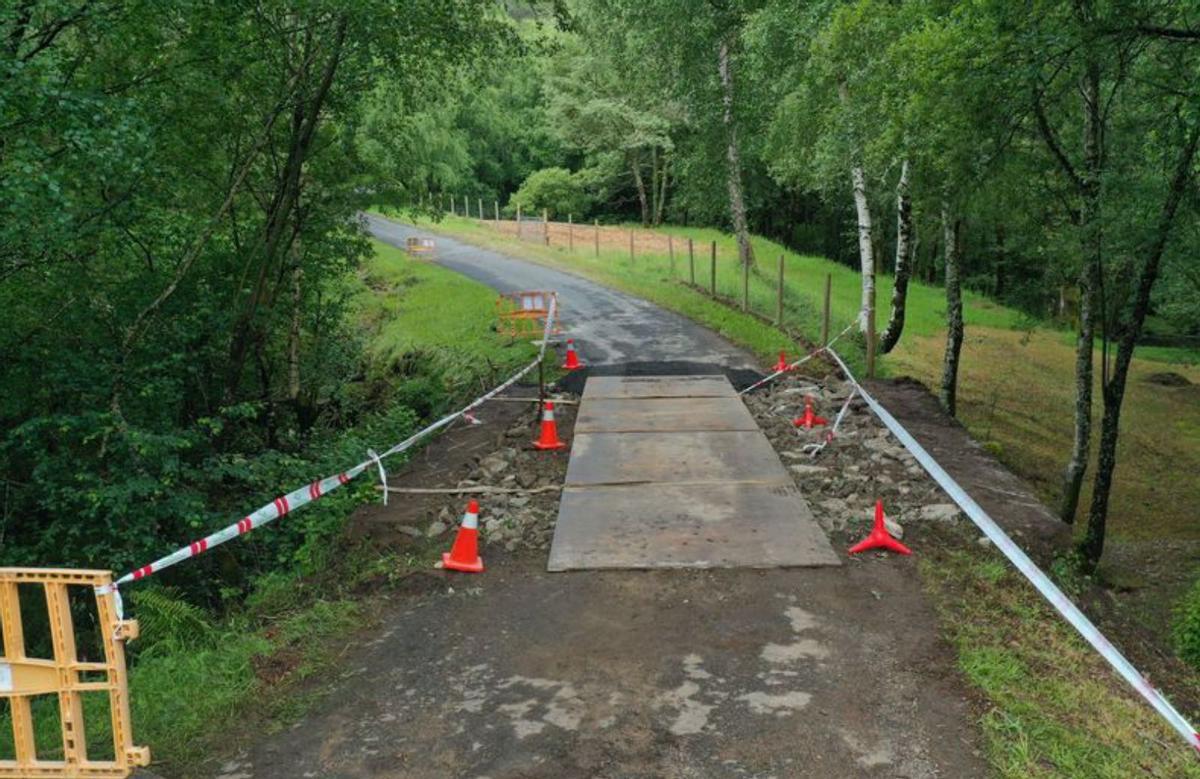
[549, 438]
[464, 555]
[572, 359]
[782, 365]
[809, 419]
[879, 538]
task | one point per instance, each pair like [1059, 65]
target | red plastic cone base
[809, 420]
[450, 564]
[544, 446]
[879, 538]
[782, 365]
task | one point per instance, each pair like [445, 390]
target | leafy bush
[1185, 626]
[556, 190]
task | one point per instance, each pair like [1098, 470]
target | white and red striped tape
[1056, 597]
[794, 365]
[296, 499]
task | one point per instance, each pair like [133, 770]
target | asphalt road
[828, 673]
[610, 328]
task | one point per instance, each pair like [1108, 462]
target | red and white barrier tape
[286, 504]
[1029, 569]
[794, 365]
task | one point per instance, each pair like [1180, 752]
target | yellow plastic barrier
[419, 246]
[522, 314]
[22, 678]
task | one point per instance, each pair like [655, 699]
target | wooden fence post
[496, 211]
[631, 245]
[571, 233]
[671, 254]
[691, 264]
[546, 226]
[518, 220]
[779, 296]
[825, 311]
[480, 209]
[452, 205]
[712, 275]
[596, 234]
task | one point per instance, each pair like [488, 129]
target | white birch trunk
[737, 202]
[866, 250]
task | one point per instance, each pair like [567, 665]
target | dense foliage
[179, 184]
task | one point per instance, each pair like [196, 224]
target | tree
[554, 190]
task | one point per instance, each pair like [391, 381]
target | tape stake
[1056, 597]
[382, 474]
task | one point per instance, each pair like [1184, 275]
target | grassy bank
[1053, 707]
[429, 339]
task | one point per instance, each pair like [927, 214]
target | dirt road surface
[523, 674]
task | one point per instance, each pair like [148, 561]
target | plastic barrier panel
[419, 246]
[26, 682]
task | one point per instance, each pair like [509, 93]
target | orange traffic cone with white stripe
[549, 438]
[464, 555]
[572, 359]
[782, 365]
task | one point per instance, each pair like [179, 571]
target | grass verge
[1053, 707]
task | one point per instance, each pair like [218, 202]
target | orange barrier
[23, 678]
[419, 246]
[521, 314]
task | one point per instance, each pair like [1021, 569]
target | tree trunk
[904, 250]
[737, 202]
[1089, 283]
[662, 184]
[294, 330]
[954, 312]
[866, 251]
[654, 191]
[635, 165]
[866, 246]
[277, 238]
[1001, 270]
[1092, 545]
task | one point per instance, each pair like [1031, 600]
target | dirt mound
[1168, 379]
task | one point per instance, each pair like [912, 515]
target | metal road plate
[611, 415]
[687, 526]
[614, 458]
[658, 387]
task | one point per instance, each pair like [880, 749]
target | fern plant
[167, 619]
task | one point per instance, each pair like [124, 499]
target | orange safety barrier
[419, 246]
[523, 314]
[24, 678]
